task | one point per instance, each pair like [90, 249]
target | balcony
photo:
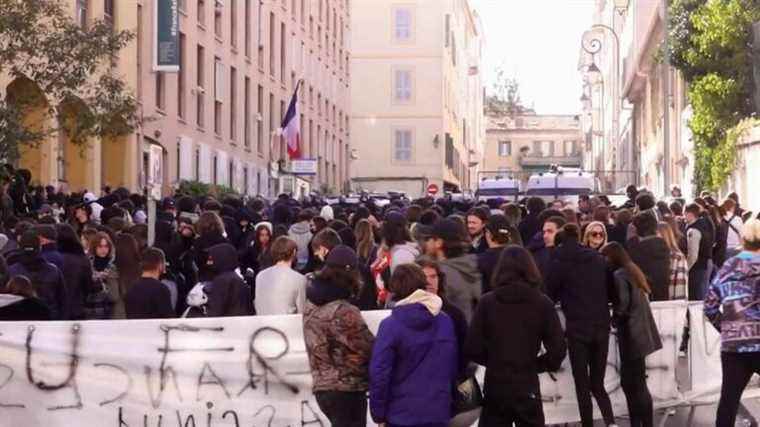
[531, 160]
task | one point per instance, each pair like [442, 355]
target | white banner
[560, 403]
[250, 371]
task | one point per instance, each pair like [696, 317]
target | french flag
[291, 126]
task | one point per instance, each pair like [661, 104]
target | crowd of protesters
[468, 283]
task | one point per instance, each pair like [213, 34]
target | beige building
[417, 118]
[530, 143]
[216, 120]
[624, 111]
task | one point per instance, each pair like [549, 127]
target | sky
[538, 42]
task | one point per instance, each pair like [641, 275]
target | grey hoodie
[463, 283]
[300, 232]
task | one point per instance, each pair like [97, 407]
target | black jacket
[47, 280]
[652, 256]
[507, 332]
[487, 262]
[528, 227]
[228, 294]
[638, 336]
[200, 253]
[77, 274]
[579, 279]
[148, 299]
[16, 308]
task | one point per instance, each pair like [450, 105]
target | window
[202, 12]
[402, 149]
[160, 90]
[200, 83]
[402, 85]
[197, 167]
[139, 44]
[402, 24]
[303, 12]
[108, 12]
[218, 18]
[81, 13]
[283, 47]
[215, 170]
[536, 148]
[271, 121]
[245, 180]
[260, 121]
[548, 148]
[233, 23]
[247, 30]
[505, 148]
[233, 103]
[231, 174]
[447, 30]
[260, 35]
[271, 44]
[181, 76]
[218, 94]
[247, 114]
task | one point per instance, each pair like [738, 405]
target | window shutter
[222, 168]
[185, 158]
[205, 161]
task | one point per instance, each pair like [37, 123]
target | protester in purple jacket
[414, 360]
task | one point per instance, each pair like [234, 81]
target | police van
[498, 187]
[562, 184]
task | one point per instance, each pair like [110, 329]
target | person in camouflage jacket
[338, 341]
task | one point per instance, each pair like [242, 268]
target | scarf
[100, 263]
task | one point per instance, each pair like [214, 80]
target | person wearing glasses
[595, 236]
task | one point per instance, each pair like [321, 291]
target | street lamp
[592, 43]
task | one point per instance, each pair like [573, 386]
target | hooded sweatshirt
[300, 233]
[414, 363]
[652, 255]
[47, 280]
[228, 295]
[463, 283]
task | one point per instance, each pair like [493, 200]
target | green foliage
[200, 189]
[41, 44]
[709, 42]
[506, 98]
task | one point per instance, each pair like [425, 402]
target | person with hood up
[414, 361]
[652, 255]
[637, 334]
[46, 278]
[210, 230]
[77, 270]
[96, 207]
[580, 280]
[19, 302]
[512, 389]
[448, 244]
[732, 306]
[531, 225]
[228, 294]
[300, 233]
[338, 341]
[49, 245]
[327, 213]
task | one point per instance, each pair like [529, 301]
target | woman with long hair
[258, 257]
[414, 359]
[595, 236]
[338, 341]
[105, 276]
[128, 267]
[637, 332]
[366, 249]
[512, 388]
[679, 274]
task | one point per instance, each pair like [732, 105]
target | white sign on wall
[303, 166]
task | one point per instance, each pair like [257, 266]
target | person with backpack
[338, 341]
[734, 223]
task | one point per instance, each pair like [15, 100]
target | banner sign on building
[303, 166]
[254, 371]
[166, 31]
